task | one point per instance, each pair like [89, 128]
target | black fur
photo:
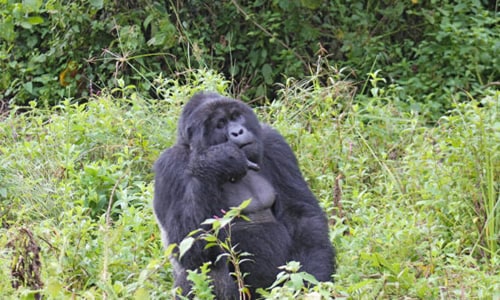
[224, 156]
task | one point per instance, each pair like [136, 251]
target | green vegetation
[51, 50]
[414, 208]
[392, 108]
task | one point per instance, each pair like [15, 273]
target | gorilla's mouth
[245, 145]
[249, 152]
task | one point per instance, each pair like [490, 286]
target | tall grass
[478, 123]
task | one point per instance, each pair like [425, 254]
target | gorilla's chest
[257, 188]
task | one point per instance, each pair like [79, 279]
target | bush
[54, 49]
[458, 55]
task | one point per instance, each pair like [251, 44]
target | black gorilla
[224, 156]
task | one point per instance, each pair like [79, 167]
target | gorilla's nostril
[237, 133]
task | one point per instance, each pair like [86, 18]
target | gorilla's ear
[189, 132]
[193, 137]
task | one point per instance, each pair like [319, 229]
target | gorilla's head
[209, 119]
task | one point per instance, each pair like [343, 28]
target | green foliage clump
[52, 49]
[418, 203]
[468, 143]
[458, 54]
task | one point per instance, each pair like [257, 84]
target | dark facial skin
[231, 123]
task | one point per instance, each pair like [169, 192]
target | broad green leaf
[32, 5]
[141, 293]
[97, 3]
[297, 281]
[185, 245]
[309, 278]
[28, 86]
[35, 20]
[311, 4]
[267, 72]
[7, 30]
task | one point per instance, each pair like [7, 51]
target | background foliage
[51, 49]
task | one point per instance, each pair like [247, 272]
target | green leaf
[210, 238]
[7, 30]
[3, 192]
[244, 204]
[223, 223]
[185, 245]
[32, 5]
[141, 293]
[296, 281]
[209, 245]
[267, 73]
[28, 86]
[98, 4]
[35, 20]
[311, 4]
[309, 278]
[170, 249]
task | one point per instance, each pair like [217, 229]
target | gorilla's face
[214, 121]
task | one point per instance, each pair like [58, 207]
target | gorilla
[224, 156]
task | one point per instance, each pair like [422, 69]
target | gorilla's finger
[253, 166]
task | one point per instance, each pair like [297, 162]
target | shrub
[56, 49]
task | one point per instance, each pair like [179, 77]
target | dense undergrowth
[51, 50]
[414, 209]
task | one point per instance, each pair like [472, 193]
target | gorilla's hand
[223, 162]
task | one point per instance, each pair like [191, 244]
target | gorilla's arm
[297, 208]
[175, 203]
[218, 164]
[187, 192]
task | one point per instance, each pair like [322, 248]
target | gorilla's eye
[235, 116]
[221, 123]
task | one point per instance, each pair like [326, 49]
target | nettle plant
[216, 232]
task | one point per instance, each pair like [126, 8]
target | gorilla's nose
[239, 135]
[237, 132]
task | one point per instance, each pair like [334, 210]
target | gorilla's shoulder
[277, 151]
[171, 158]
[273, 139]
[269, 134]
